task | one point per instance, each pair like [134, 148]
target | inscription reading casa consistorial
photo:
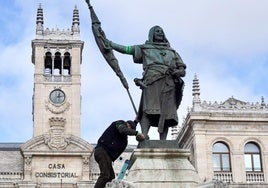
[53, 173]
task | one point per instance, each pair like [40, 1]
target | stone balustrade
[223, 176]
[10, 176]
[254, 177]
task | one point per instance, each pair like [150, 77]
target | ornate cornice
[233, 104]
[38, 146]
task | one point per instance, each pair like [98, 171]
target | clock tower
[56, 153]
[57, 57]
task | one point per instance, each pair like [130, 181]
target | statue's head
[156, 34]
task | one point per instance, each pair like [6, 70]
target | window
[221, 157]
[57, 64]
[252, 157]
[48, 64]
[67, 64]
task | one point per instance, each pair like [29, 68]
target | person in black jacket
[111, 145]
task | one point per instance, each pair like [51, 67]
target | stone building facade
[12, 173]
[227, 140]
[56, 156]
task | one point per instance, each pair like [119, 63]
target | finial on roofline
[39, 20]
[196, 91]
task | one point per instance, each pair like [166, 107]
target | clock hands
[57, 96]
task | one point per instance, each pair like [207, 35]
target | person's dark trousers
[106, 168]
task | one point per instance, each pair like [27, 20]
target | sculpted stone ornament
[28, 160]
[220, 184]
[56, 139]
[57, 108]
[119, 184]
[161, 84]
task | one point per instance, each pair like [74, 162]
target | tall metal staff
[106, 50]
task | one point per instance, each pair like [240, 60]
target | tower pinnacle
[76, 22]
[196, 92]
[39, 21]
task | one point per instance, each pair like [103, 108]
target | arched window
[252, 157]
[221, 157]
[48, 64]
[67, 64]
[57, 64]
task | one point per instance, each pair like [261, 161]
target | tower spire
[76, 22]
[39, 21]
[262, 102]
[196, 93]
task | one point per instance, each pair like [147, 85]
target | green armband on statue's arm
[128, 50]
[121, 48]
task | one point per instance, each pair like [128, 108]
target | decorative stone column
[85, 168]
[28, 167]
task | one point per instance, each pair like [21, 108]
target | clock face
[57, 96]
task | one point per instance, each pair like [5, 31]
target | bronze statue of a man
[161, 84]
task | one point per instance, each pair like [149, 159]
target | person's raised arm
[123, 129]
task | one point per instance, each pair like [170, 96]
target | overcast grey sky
[224, 42]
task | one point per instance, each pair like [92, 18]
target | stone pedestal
[161, 164]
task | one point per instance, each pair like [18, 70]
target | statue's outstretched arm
[123, 49]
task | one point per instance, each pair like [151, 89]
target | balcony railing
[57, 78]
[254, 177]
[223, 176]
[10, 176]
